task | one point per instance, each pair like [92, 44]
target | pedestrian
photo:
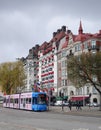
[79, 105]
[70, 105]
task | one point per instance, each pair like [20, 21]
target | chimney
[64, 28]
[68, 31]
[30, 51]
[99, 31]
[54, 34]
[58, 31]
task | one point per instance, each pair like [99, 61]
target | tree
[12, 77]
[85, 68]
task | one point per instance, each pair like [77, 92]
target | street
[12, 119]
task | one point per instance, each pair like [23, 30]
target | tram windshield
[42, 99]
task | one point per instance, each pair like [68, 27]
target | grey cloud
[24, 23]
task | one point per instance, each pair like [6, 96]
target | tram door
[22, 103]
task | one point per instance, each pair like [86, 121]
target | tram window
[34, 100]
[29, 100]
[11, 100]
[42, 99]
[21, 100]
[16, 100]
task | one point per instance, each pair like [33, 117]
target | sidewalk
[86, 111]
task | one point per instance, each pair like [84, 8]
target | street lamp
[83, 97]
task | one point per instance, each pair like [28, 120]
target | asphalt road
[11, 119]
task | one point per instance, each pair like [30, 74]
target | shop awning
[79, 98]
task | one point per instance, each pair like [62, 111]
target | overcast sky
[25, 23]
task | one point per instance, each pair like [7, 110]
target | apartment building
[47, 64]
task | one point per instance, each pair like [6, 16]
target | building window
[64, 54]
[75, 48]
[85, 46]
[71, 93]
[63, 73]
[93, 44]
[87, 90]
[79, 47]
[64, 82]
[94, 90]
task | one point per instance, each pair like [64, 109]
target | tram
[35, 101]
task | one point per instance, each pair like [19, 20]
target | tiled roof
[58, 36]
[43, 46]
[81, 37]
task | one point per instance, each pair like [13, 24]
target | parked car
[58, 103]
[93, 104]
[1, 99]
[65, 103]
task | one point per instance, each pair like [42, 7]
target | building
[47, 64]
[31, 67]
[83, 43]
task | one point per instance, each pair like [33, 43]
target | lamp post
[83, 97]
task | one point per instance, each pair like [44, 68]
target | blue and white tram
[35, 101]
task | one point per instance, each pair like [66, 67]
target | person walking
[70, 105]
[78, 105]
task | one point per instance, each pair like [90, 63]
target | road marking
[81, 129]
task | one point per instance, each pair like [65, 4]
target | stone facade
[47, 64]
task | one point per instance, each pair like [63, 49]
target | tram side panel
[14, 101]
[26, 101]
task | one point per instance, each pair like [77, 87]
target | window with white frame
[93, 43]
[63, 53]
[63, 72]
[64, 82]
[85, 45]
[87, 90]
[79, 47]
